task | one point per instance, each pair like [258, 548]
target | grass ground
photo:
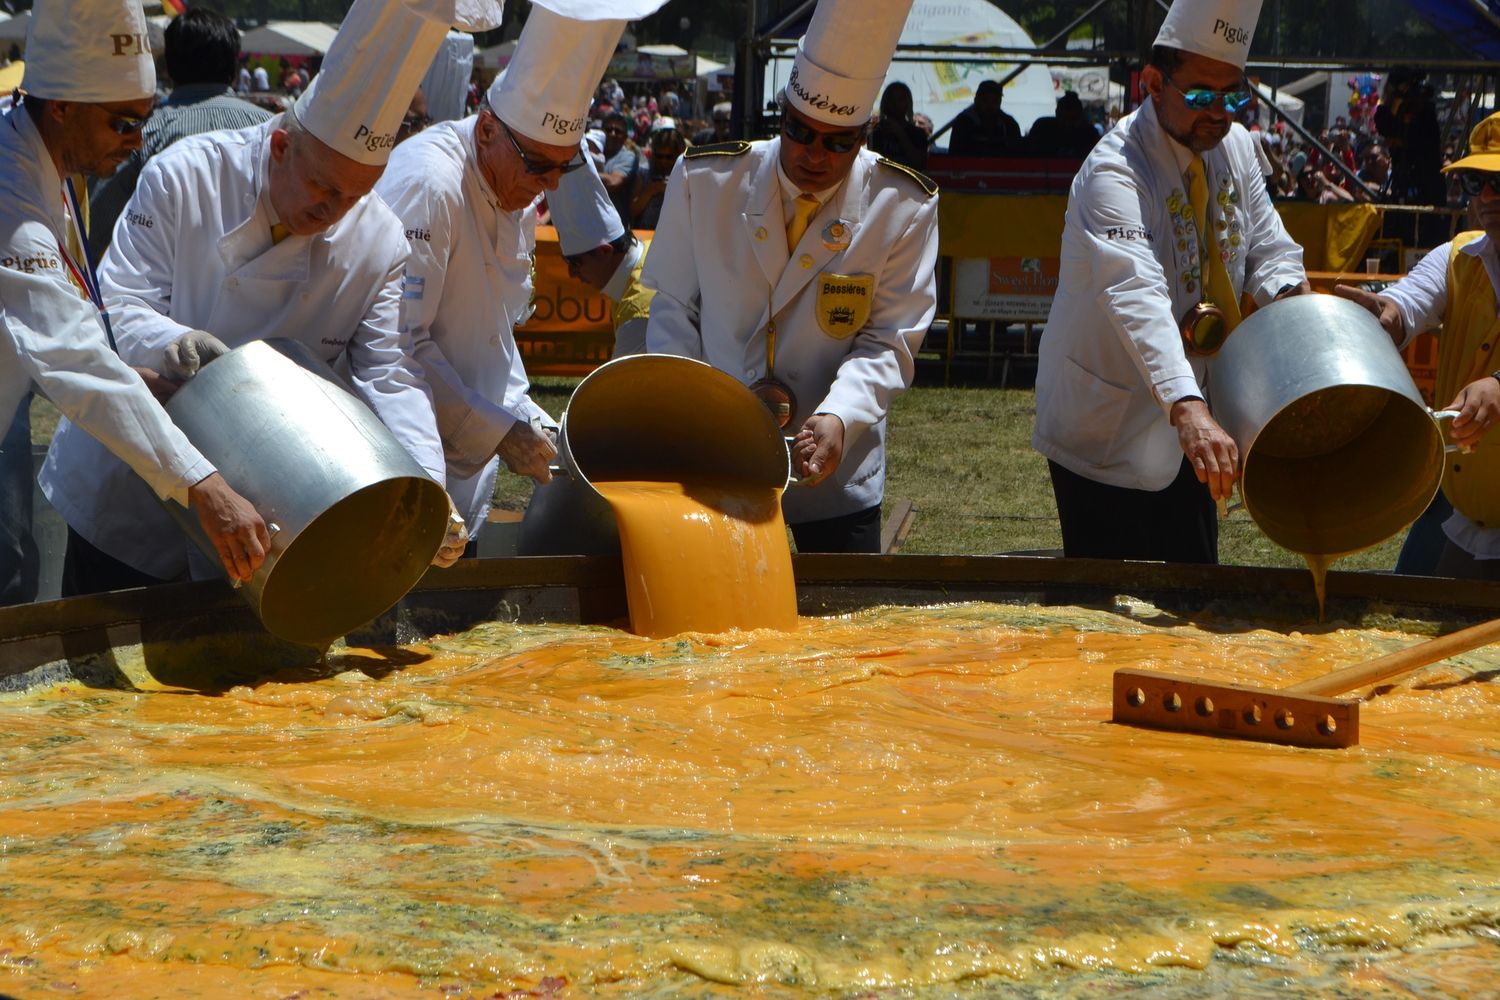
[963, 457]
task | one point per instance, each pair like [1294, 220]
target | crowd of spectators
[1394, 156]
[1391, 152]
[637, 140]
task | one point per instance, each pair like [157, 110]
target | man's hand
[454, 540]
[1209, 449]
[1304, 287]
[1379, 306]
[818, 448]
[231, 523]
[161, 387]
[1478, 406]
[190, 352]
[527, 452]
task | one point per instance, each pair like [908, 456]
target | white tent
[1290, 106]
[288, 38]
[941, 89]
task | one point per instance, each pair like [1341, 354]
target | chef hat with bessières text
[842, 60]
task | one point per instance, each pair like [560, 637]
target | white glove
[454, 540]
[191, 351]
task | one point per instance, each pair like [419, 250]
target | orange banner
[571, 331]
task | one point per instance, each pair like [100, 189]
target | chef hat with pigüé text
[356, 103]
[92, 51]
[1216, 29]
[564, 49]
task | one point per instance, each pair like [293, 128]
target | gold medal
[1204, 329]
[778, 397]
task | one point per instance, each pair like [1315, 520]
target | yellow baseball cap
[1484, 148]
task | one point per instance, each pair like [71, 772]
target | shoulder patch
[734, 147]
[923, 181]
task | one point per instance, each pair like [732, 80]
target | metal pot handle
[1441, 415]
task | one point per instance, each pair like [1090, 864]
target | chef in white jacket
[1136, 459]
[270, 231]
[804, 267]
[90, 86]
[466, 194]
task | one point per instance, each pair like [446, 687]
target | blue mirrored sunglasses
[1203, 98]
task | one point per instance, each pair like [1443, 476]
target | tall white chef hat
[356, 102]
[842, 60]
[89, 50]
[1218, 29]
[563, 51]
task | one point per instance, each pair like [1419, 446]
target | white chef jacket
[1422, 298]
[1112, 361]
[721, 269]
[193, 251]
[52, 337]
[467, 286]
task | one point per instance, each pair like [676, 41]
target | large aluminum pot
[1340, 452]
[653, 417]
[357, 520]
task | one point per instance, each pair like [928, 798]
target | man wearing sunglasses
[803, 266]
[269, 231]
[1168, 230]
[466, 193]
[1455, 288]
[86, 101]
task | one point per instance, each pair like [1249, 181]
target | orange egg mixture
[900, 803]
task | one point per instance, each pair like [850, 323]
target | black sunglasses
[805, 135]
[125, 124]
[1474, 181]
[538, 169]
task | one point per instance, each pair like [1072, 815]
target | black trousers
[20, 563]
[90, 570]
[857, 532]
[1177, 524]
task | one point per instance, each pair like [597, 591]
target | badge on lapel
[844, 303]
[836, 236]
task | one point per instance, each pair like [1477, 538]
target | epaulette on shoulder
[923, 181]
[735, 147]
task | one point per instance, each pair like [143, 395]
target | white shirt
[193, 251]
[791, 192]
[721, 270]
[1112, 362]
[1422, 297]
[467, 286]
[51, 337]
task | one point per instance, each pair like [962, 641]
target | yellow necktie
[279, 233]
[802, 214]
[75, 249]
[1216, 284]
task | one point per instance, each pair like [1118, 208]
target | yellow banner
[571, 332]
[1333, 237]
